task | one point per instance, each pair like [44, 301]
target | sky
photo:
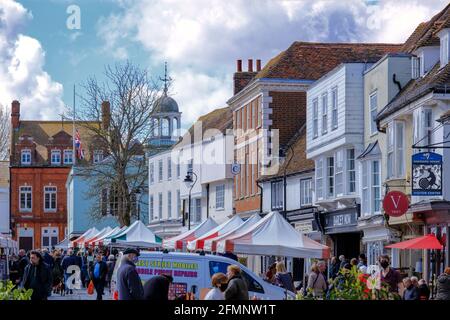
[45, 49]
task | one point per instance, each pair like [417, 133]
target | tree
[4, 133]
[122, 133]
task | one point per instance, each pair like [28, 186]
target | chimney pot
[250, 65]
[239, 65]
[258, 65]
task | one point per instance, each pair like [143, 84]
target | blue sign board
[426, 174]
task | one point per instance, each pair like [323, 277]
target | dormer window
[25, 157]
[68, 156]
[56, 157]
[415, 67]
[98, 156]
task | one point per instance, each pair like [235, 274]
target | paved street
[80, 295]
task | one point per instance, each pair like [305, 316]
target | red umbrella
[426, 242]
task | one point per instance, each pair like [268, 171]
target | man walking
[69, 260]
[37, 276]
[99, 272]
[129, 283]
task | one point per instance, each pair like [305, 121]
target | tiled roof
[219, 119]
[42, 131]
[437, 80]
[310, 61]
[426, 32]
[298, 162]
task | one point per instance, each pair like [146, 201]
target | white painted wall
[4, 210]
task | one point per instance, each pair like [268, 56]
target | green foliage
[9, 292]
[352, 285]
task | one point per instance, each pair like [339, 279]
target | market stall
[273, 236]
[136, 235]
[63, 244]
[179, 242]
[210, 245]
[89, 233]
[106, 238]
[98, 235]
[227, 226]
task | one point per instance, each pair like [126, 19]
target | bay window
[365, 188]
[305, 192]
[334, 107]
[351, 177]
[339, 176]
[277, 195]
[371, 187]
[324, 113]
[319, 179]
[330, 177]
[376, 187]
[399, 149]
[373, 112]
[315, 118]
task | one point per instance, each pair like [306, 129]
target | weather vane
[166, 79]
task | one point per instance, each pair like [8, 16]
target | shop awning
[179, 242]
[428, 242]
[274, 236]
[227, 226]
[211, 244]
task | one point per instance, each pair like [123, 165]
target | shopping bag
[116, 295]
[90, 289]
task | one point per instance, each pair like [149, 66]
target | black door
[26, 243]
[347, 244]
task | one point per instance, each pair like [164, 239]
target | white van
[192, 272]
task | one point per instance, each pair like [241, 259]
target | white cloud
[22, 74]
[202, 39]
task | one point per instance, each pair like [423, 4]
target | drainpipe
[285, 183]
[261, 197]
[207, 201]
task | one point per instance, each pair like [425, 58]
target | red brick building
[269, 107]
[41, 155]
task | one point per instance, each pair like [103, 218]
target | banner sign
[427, 174]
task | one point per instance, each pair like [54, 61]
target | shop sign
[304, 227]
[341, 219]
[395, 203]
[427, 174]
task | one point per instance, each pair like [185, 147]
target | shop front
[341, 229]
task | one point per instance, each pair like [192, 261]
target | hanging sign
[426, 174]
[235, 168]
[395, 203]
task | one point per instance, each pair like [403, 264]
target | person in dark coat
[443, 285]
[38, 277]
[14, 269]
[237, 288]
[335, 267]
[69, 260]
[424, 290]
[157, 288]
[48, 259]
[129, 285]
[98, 275]
[111, 263]
[411, 292]
[23, 262]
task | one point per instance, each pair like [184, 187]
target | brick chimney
[106, 115]
[15, 114]
[242, 78]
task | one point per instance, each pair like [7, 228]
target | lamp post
[188, 179]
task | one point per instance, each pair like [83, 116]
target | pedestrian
[14, 276]
[98, 275]
[317, 281]
[129, 284]
[335, 267]
[354, 262]
[343, 261]
[362, 261]
[67, 262]
[424, 290]
[237, 288]
[389, 275]
[283, 278]
[411, 292]
[270, 274]
[48, 259]
[219, 285]
[57, 272]
[443, 285]
[37, 276]
[23, 262]
[111, 263]
[157, 288]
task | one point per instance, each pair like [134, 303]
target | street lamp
[188, 180]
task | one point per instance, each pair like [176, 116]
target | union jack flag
[78, 146]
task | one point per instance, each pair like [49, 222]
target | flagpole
[74, 158]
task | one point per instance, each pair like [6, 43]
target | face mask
[135, 260]
[384, 264]
[223, 287]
